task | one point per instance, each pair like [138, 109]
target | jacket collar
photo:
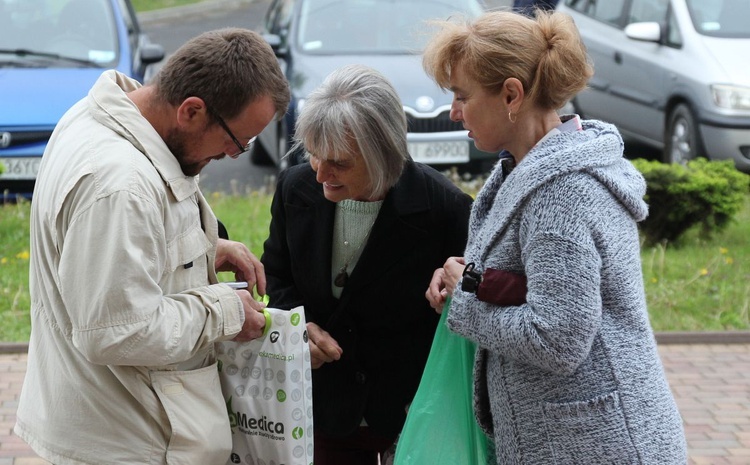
[408, 197]
[597, 146]
[111, 107]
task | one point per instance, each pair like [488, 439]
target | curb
[662, 338]
[154, 16]
[706, 337]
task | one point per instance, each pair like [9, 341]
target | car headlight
[732, 97]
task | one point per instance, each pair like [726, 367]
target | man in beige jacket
[126, 306]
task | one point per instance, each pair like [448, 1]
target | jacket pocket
[187, 259]
[594, 429]
[198, 418]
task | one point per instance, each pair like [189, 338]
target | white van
[673, 74]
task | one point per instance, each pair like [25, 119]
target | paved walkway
[710, 380]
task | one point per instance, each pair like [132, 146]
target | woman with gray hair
[354, 237]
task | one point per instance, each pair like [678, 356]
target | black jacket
[382, 321]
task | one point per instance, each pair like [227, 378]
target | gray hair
[356, 105]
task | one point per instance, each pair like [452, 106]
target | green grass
[246, 217]
[700, 286]
[14, 272]
[148, 5]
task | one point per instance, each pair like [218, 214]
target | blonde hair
[545, 53]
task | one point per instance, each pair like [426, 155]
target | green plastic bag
[440, 427]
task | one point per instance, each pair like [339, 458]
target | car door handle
[618, 58]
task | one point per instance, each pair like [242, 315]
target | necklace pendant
[341, 278]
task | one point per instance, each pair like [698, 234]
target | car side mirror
[151, 53]
[646, 32]
[274, 40]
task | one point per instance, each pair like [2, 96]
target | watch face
[470, 279]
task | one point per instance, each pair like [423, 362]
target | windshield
[721, 18]
[372, 26]
[80, 29]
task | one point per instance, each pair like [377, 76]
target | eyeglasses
[242, 149]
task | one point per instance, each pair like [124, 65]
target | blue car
[51, 53]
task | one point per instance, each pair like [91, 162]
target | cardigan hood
[597, 150]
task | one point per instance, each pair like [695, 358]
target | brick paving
[711, 382]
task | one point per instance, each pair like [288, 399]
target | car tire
[283, 147]
[286, 159]
[682, 139]
[259, 156]
[570, 108]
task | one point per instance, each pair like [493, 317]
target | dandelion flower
[729, 260]
[723, 250]
[23, 255]
[3, 261]
[704, 271]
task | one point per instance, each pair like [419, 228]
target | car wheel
[286, 158]
[283, 147]
[568, 109]
[259, 156]
[682, 140]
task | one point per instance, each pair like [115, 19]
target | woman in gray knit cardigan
[550, 288]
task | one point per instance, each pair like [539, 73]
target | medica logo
[262, 426]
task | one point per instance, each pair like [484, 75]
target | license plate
[20, 167]
[440, 152]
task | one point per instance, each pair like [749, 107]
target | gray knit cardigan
[573, 375]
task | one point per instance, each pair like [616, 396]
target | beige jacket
[124, 314]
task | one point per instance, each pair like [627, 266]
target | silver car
[311, 38]
[673, 74]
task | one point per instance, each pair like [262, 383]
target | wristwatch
[470, 279]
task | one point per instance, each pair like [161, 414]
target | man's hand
[235, 256]
[444, 282]
[255, 320]
[323, 348]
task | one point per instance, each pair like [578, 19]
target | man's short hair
[228, 69]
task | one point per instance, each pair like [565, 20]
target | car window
[674, 37]
[279, 15]
[128, 16]
[647, 11]
[372, 26]
[271, 13]
[79, 29]
[721, 18]
[608, 11]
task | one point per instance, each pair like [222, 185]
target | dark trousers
[360, 448]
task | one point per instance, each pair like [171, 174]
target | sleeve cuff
[232, 311]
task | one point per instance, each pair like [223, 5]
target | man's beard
[177, 143]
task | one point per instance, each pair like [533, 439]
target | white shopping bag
[267, 386]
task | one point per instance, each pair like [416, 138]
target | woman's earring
[511, 118]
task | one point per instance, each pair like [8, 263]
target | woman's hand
[323, 348]
[236, 257]
[454, 270]
[436, 293]
[444, 282]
